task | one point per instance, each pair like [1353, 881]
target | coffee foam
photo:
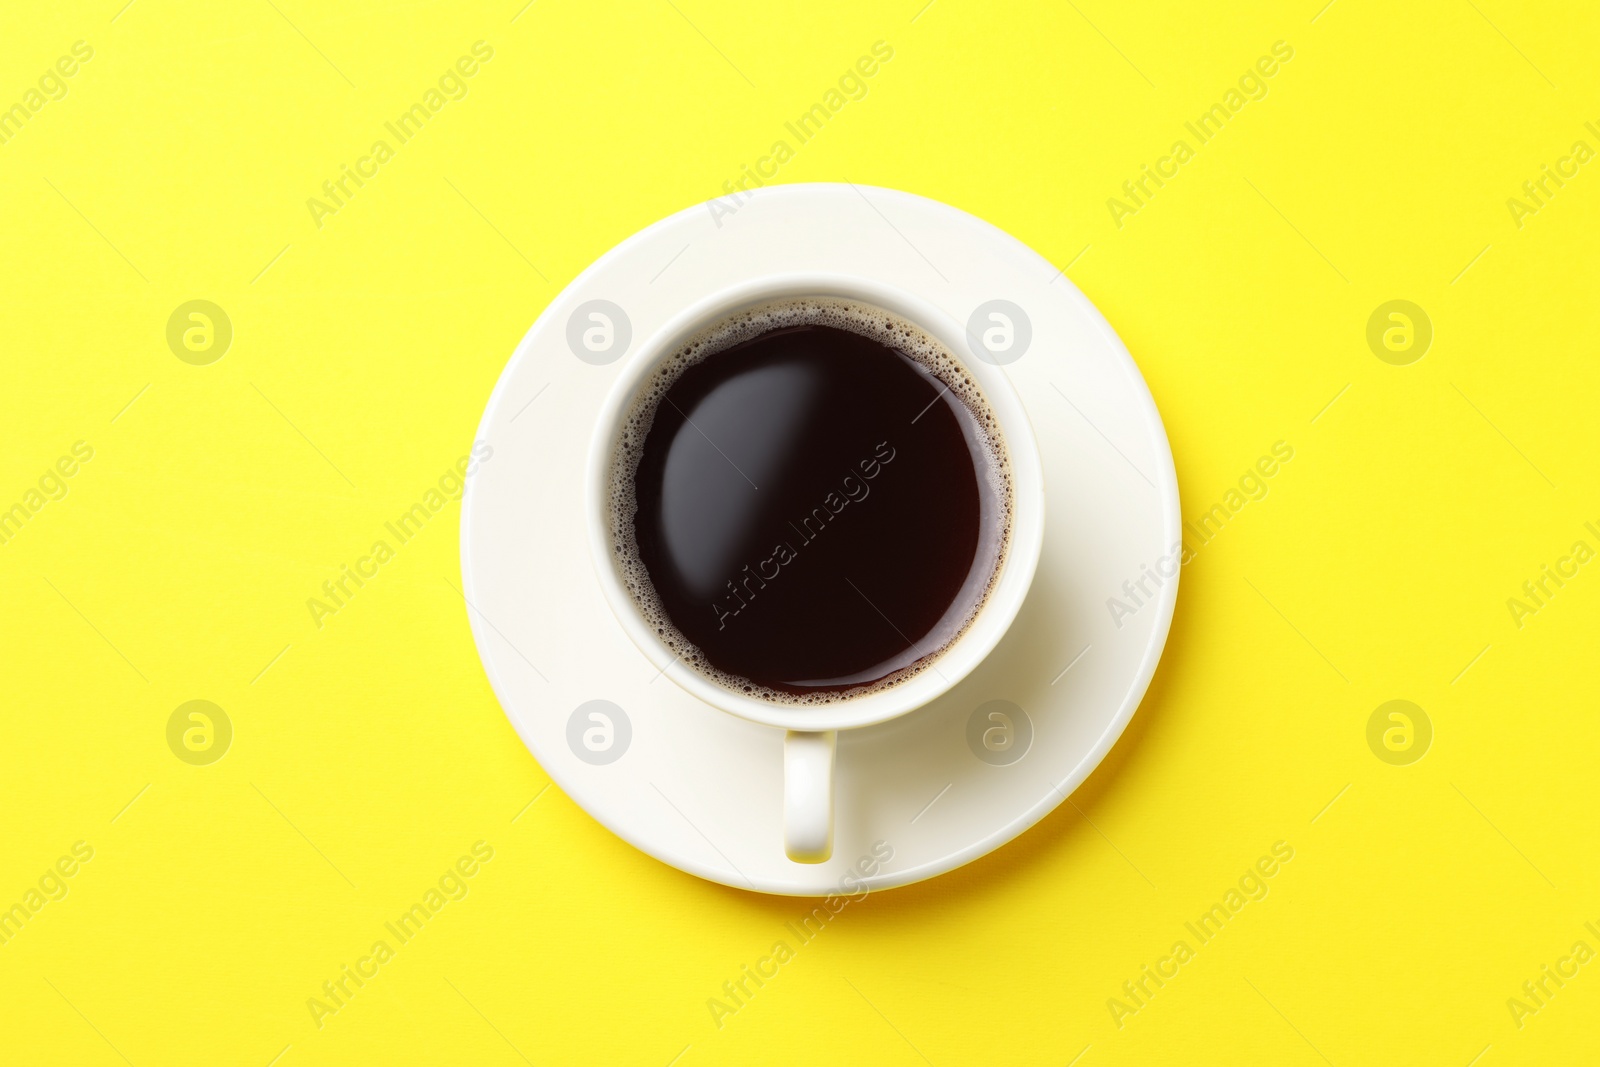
[867, 321]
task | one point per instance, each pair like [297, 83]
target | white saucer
[702, 790]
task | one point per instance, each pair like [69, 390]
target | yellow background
[371, 753]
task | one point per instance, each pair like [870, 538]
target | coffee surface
[814, 510]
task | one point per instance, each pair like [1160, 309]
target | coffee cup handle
[808, 795]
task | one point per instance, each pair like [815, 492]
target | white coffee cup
[809, 743]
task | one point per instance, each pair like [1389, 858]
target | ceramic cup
[811, 736]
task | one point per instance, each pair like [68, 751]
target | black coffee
[818, 505]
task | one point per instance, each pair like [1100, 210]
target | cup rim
[1005, 598]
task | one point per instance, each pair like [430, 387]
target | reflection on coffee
[810, 500]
